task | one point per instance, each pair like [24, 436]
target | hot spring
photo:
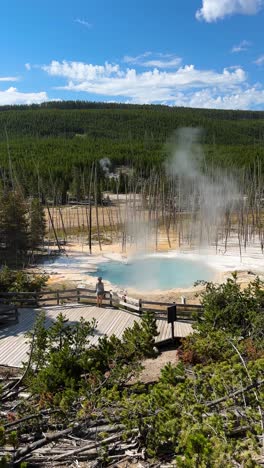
[154, 272]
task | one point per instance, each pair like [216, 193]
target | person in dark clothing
[99, 291]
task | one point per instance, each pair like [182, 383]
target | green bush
[20, 281]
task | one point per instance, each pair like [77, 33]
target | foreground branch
[236, 393]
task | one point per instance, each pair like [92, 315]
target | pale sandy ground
[74, 267]
[152, 367]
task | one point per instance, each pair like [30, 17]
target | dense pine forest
[48, 147]
[61, 151]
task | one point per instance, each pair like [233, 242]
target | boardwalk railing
[88, 296]
[184, 310]
[54, 297]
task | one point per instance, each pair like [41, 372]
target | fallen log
[88, 447]
[30, 416]
[21, 454]
[91, 446]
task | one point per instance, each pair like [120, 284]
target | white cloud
[150, 86]
[241, 47]
[28, 66]
[136, 59]
[186, 86]
[12, 96]
[157, 60]
[212, 10]
[9, 78]
[260, 60]
[80, 71]
[211, 99]
[83, 23]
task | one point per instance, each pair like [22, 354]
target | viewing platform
[110, 321]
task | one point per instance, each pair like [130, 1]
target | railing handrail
[35, 297]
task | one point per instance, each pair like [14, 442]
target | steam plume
[105, 164]
[208, 194]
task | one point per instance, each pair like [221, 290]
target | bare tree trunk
[96, 208]
[54, 230]
[63, 227]
[90, 211]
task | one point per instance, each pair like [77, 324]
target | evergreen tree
[37, 223]
[13, 227]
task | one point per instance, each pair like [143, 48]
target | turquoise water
[151, 273]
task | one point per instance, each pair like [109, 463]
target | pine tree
[37, 223]
[13, 227]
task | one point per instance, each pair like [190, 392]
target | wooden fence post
[140, 310]
[78, 295]
[111, 298]
[58, 297]
[172, 317]
[16, 314]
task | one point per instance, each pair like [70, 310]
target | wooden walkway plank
[110, 321]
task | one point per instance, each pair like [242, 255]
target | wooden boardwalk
[110, 321]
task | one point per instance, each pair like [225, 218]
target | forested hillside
[53, 142]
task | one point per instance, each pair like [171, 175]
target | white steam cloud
[206, 194]
[105, 164]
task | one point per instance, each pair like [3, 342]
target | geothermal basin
[154, 273]
[149, 273]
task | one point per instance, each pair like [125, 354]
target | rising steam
[208, 194]
[197, 197]
[105, 164]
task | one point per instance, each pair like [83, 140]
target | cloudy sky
[198, 53]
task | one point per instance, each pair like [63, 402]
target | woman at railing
[99, 291]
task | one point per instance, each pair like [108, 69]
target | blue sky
[199, 53]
